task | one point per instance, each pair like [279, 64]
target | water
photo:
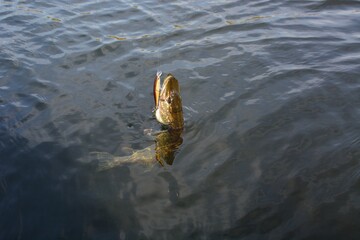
[270, 89]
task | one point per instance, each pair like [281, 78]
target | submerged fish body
[166, 145]
[163, 152]
[168, 111]
[108, 161]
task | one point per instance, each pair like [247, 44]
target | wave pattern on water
[271, 103]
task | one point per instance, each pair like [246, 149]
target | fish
[168, 112]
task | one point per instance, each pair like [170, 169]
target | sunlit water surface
[271, 95]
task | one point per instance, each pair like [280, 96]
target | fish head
[168, 103]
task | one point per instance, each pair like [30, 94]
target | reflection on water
[271, 104]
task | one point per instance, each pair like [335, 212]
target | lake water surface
[271, 99]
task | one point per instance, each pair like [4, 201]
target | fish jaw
[156, 88]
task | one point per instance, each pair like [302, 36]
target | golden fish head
[168, 104]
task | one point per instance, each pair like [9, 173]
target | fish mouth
[157, 88]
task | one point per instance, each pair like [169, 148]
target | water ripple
[270, 93]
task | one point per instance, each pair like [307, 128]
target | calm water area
[271, 102]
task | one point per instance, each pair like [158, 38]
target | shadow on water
[47, 194]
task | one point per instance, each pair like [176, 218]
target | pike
[168, 112]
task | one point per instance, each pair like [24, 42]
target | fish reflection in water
[168, 111]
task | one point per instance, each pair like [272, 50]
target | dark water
[271, 148]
